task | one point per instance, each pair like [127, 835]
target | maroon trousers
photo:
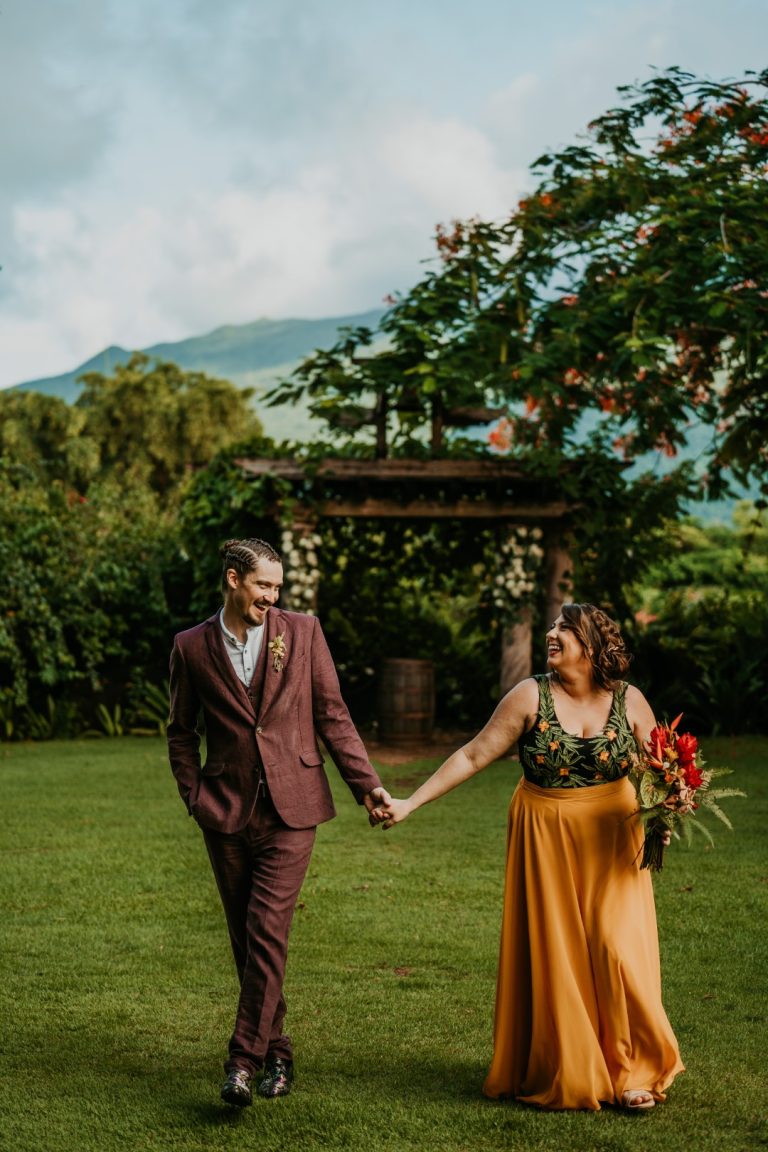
[259, 873]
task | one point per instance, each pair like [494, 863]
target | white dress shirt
[243, 656]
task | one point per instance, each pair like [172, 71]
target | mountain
[256, 355]
[252, 355]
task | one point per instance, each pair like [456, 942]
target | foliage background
[620, 309]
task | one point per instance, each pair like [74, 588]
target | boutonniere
[277, 648]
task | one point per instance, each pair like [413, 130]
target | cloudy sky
[171, 165]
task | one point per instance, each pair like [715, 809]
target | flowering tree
[632, 284]
[639, 276]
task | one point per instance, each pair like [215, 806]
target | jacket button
[259, 728]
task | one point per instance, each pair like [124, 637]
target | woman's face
[564, 649]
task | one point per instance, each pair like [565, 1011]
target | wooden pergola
[486, 492]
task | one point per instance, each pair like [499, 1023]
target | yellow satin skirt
[579, 1017]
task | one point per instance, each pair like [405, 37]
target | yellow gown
[579, 1016]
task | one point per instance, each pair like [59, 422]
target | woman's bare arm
[512, 716]
[639, 714]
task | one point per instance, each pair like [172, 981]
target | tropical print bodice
[554, 758]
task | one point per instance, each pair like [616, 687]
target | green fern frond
[713, 773]
[687, 831]
[702, 828]
[712, 807]
[721, 793]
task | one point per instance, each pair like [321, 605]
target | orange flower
[603, 756]
[610, 734]
[554, 745]
[543, 725]
[644, 618]
[565, 771]
[540, 759]
[502, 435]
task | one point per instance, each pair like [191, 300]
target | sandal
[631, 1100]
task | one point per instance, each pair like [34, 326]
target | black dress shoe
[277, 1079]
[237, 1088]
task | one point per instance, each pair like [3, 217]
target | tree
[95, 580]
[630, 287]
[83, 604]
[155, 423]
[46, 434]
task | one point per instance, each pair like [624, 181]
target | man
[265, 683]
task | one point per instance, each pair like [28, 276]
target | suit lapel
[275, 626]
[221, 661]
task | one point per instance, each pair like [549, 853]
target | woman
[579, 1018]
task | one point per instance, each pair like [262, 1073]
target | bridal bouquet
[672, 785]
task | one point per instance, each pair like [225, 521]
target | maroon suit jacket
[278, 733]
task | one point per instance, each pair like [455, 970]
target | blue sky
[171, 165]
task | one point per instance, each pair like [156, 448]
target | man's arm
[183, 736]
[334, 725]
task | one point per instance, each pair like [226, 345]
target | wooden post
[438, 417]
[558, 575]
[380, 420]
[516, 650]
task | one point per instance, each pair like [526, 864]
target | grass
[117, 989]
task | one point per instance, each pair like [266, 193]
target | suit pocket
[213, 768]
[311, 759]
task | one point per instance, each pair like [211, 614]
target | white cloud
[331, 237]
[181, 166]
[448, 167]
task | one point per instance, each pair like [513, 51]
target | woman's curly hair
[602, 640]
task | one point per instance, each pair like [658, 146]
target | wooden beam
[436, 510]
[389, 469]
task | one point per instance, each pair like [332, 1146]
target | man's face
[251, 596]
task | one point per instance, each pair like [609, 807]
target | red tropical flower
[686, 747]
[693, 776]
[659, 738]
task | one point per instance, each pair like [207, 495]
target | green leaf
[650, 795]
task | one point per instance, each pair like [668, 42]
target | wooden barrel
[406, 700]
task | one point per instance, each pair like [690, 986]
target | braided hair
[244, 556]
[602, 640]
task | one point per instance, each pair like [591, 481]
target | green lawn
[117, 990]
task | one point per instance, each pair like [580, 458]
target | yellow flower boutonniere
[277, 648]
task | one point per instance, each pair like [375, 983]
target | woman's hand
[392, 813]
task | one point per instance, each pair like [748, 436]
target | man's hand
[391, 813]
[375, 798]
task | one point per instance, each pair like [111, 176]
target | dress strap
[545, 692]
[619, 701]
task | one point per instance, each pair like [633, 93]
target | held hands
[375, 800]
[383, 809]
[389, 813]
